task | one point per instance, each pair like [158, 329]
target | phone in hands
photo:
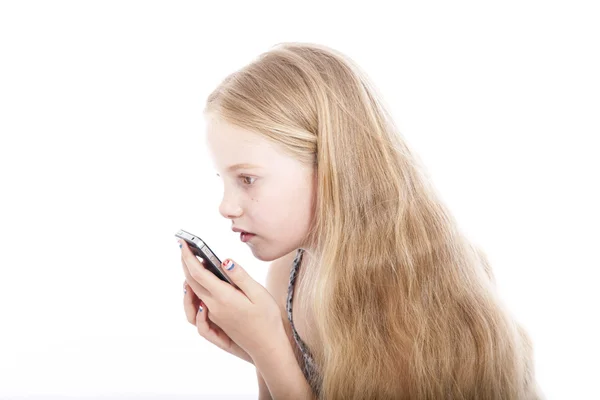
[201, 249]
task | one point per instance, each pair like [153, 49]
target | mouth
[245, 236]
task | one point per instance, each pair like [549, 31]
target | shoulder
[277, 284]
[278, 279]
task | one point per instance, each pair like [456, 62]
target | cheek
[274, 212]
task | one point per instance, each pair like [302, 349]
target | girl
[394, 301]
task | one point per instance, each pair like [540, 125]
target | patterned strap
[309, 369]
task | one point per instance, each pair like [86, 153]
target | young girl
[380, 294]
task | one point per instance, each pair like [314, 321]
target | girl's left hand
[249, 316]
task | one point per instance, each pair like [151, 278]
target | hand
[208, 329]
[248, 316]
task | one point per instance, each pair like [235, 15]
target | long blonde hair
[404, 306]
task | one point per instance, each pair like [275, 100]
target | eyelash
[248, 177]
[244, 177]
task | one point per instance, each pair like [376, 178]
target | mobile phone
[201, 249]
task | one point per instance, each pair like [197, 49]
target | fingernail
[229, 265]
[200, 308]
[184, 291]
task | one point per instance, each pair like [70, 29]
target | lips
[244, 237]
[238, 230]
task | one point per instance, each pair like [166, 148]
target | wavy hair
[404, 305]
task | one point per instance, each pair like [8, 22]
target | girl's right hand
[208, 329]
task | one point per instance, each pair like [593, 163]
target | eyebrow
[242, 166]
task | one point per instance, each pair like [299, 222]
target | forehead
[220, 133]
[230, 144]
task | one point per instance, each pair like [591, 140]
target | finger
[240, 278]
[200, 291]
[211, 332]
[190, 304]
[198, 273]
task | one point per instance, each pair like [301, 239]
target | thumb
[240, 277]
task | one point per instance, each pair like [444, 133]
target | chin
[266, 256]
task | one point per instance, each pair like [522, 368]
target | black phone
[201, 249]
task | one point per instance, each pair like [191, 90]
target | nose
[229, 207]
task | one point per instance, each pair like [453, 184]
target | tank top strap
[293, 274]
[292, 282]
[309, 367]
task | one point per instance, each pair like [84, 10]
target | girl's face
[266, 192]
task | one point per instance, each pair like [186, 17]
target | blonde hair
[405, 307]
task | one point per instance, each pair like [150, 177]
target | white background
[102, 160]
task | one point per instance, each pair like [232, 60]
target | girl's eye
[245, 180]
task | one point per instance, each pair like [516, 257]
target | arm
[269, 383]
[263, 389]
[282, 374]
[276, 283]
